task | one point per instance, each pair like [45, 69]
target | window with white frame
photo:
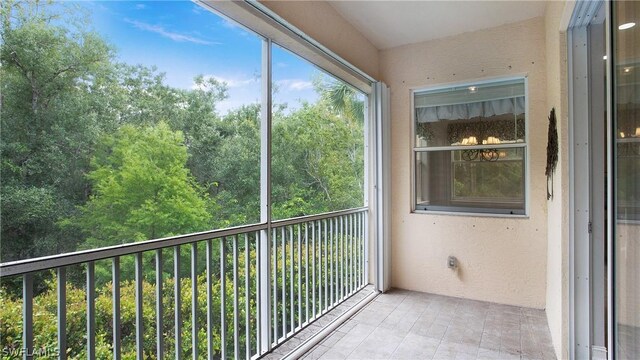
[470, 148]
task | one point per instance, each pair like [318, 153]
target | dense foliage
[96, 152]
[74, 126]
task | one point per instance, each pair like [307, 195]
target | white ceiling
[392, 23]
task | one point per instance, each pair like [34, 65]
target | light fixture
[473, 89]
[626, 26]
[627, 70]
[604, 57]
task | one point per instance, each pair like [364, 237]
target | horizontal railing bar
[20, 267]
[316, 217]
[79, 257]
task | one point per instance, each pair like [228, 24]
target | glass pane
[146, 124]
[626, 106]
[318, 140]
[491, 113]
[479, 180]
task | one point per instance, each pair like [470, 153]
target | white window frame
[415, 150]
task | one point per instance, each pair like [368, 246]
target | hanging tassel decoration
[552, 152]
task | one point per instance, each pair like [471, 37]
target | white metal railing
[315, 261]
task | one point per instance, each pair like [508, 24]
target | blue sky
[183, 40]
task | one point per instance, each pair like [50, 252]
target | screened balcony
[319, 180]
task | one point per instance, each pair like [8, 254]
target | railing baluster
[194, 300]
[319, 258]
[27, 315]
[247, 313]
[359, 257]
[116, 308]
[209, 270]
[326, 279]
[336, 255]
[62, 313]
[91, 311]
[346, 255]
[313, 267]
[291, 278]
[223, 297]
[341, 258]
[159, 306]
[331, 236]
[284, 282]
[350, 254]
[139, 314]
[275, 285]
[355, 252]
[336, 251]
[343, 250]
[365, 247]
[337, 258]
[348, 247]
[362, 254]
[347, 258]
[236, 307]
[306, 270]
[177, 314]
[258, 292]
[299, 277]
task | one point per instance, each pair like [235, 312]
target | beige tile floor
[412, 325]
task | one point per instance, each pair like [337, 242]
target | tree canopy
[97, 152]
[142, 189]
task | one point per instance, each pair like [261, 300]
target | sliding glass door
[626, 182]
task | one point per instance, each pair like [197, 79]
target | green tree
[318, 159]
[142, 189]
[237, 167]
[48, 124]
[342, 98]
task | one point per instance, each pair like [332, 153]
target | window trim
[413, 150]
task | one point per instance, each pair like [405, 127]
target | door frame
[587, 198]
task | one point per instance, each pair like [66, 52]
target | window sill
[470, 214]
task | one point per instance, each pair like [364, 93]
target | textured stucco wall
[557, 301]
[503, 260]
[323, 23]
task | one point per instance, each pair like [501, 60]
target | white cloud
[169, 34]
[232, 25]
[229, 24]
[294, 84]
[140, 6]
[231, 81]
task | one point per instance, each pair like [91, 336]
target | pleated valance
[514, 105]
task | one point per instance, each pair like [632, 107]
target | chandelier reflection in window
[628, 145]
[481, 154]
